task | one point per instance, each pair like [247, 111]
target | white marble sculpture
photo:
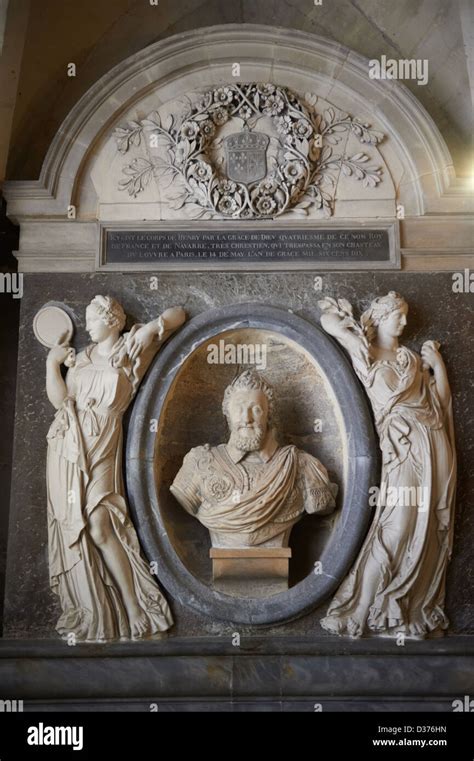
[251, 491]
[397, 584]
[105, 588]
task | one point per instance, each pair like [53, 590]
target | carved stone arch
[417, 169]
[270, 54]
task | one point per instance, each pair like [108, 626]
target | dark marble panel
[9, 319]
[223, 705]
[203, 674]
[435, 312]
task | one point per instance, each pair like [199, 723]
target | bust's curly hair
[109, 310]
[249, 380]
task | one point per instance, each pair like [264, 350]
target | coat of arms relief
[247, 151]
[246, 156]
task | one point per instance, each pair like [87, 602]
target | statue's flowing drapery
[398, 580]
[84, 470]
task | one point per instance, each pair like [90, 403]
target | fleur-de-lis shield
[246, 154]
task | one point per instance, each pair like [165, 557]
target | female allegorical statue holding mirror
[397, 584]
[105, 588]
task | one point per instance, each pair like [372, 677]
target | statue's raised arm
[144, 340]
[397, 584]
[338, 320]
[104, 585]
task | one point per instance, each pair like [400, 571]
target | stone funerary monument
[254, 388]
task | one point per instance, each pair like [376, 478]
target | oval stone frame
[362, 468]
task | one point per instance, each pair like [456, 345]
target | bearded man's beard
[248, 439]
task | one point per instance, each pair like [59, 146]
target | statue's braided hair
[109, 310]
[380, 308]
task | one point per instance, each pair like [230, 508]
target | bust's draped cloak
[212, 484]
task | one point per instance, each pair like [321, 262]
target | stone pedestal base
[250, 571]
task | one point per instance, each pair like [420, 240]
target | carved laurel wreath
[304, 175]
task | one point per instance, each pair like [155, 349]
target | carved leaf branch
[331, 127]
[127, 136]
[343, 309]
[138, 176]
[370, 176]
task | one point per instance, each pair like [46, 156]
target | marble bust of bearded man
[250, 491]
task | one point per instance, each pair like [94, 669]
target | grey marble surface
[208, 673]
[9, 317]
[436, 313]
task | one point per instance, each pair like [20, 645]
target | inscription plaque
[352, 247]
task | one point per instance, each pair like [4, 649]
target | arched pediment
[84, 168]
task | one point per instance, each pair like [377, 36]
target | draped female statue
[105, 587]
[397, 584]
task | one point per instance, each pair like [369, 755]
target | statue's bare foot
[331, 624]
[139, 626]
[354, 627]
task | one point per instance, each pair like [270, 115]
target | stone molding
[343, 675]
